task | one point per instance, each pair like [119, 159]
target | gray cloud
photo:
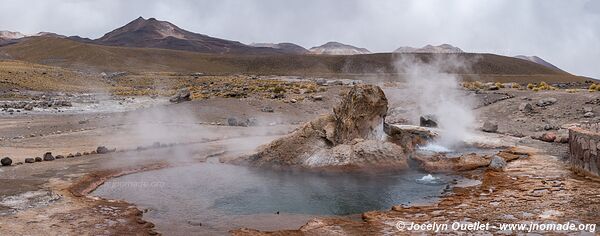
[565, 33]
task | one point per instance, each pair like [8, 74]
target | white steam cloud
[437, 92]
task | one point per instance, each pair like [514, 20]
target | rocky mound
[351, 137]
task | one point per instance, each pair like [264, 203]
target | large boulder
[350, 137]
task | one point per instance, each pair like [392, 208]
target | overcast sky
[565, 33]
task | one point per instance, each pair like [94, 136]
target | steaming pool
[213, 198]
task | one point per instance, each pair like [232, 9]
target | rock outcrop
[351, 137]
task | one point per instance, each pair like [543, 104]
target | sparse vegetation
[541, 86]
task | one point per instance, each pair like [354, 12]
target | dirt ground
[49, 198]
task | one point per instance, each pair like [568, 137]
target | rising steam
[436, 91]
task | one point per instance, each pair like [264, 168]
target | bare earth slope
[96, 58]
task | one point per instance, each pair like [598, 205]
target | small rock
[194, 223]
[70, 155]
[38, 159]
[321, 82]
[267, 109]
[587, 109]
[102, 150]
[317, 98]
[497, 163]
[182, 95]
[59, 157]
[6, 161]
[277, 96]
[293, 100]
[78, 154]
[28, 107]
[29, 160]
[48, 157]
[86, 153]
[493, 87]
[548, 137]
[490, 127]
[546, 102]
[428, 121]
[588, 114]
[232, 121]
[526, 107]
[562, 139]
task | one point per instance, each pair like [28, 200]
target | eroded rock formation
[351, 137]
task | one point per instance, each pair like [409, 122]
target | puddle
[219, 197]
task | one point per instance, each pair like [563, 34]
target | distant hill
[443, 48]
[538, 60]
[49, 34]
[335, 48]
[152, 33]
[285, 47]
[5, 35]
[8, 37]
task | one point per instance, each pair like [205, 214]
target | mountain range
[153, 33]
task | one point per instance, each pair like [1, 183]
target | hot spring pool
[223, 197]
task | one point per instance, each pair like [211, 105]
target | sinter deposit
[350, 137]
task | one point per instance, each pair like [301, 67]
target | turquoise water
[224, 196]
